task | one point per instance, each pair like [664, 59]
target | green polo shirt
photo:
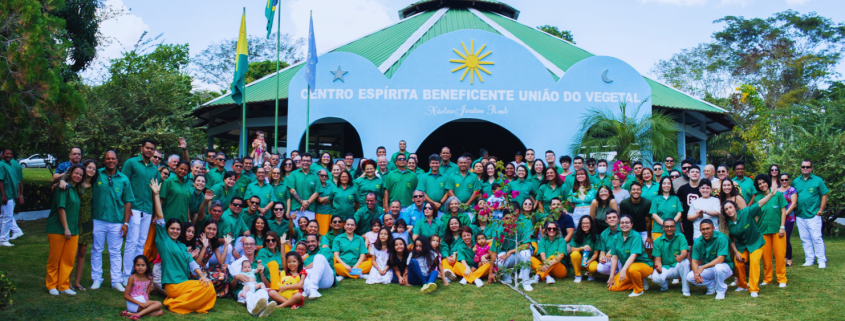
[424, 228]
[705, 251]
[666, 208]
[770, 214]
[139, 175]
[746, 187]
[462, 217]
[196, 200]
[241, 183]
[606, 239]
[343, 201]
[546, 193]
[281, 228]
[448, 168]
[325, 192]
[487, 187]
[365, 185]
[400, 186]
[18, 170]
[536, 181]
[108, 203]
[305, 185]
[364, 218]
[447, 249]
[215, 176]
[264, 192]
[465, 253]
[650, 192]
[744, 231]
[666, 249]
[176, 198]
[281, 193]
[463, 185]
[327, 240]
[525, 188]
[325, 252]
[596, 182]
[396, 154]
[248, 219]
[810, 192]
[551, 247]
[433, 185]
[10, 180]
[175, 258]
[349, 250]
[229, 224]
[67, 199]
[224, 194]
[591, 241]
[625, 247]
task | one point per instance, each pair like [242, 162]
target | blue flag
[311, 61]
[269, 12]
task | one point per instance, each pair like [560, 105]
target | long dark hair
[214, 241]
[254, 231]
[734, 191]
[448, 238]
[485, 177]
[298, 259]
[85, 172]
[601, 202]
[149, 272]
[577, 185]
[378, 244]
[580, 235]
[395, 259]
[183, 237]
[558, 181]
[425, 251]
[777, 179]
[278, 241]
[660, 186]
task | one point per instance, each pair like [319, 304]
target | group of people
[273, 233]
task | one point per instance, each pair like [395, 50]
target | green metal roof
[379, 46]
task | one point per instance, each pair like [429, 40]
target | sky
[639, 32]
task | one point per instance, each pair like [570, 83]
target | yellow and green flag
[241, 64]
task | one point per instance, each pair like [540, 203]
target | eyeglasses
[739, 169]
[428, 208]
[220, 159]
[237, 205]
[418, 196]
[722, 171]
[591, 164]
[686, 168]
[237, 166]
[288, 164]
[806, 167]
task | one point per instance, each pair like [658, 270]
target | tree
[35, 101]
[602, 131]
[554, 31]
[699, 71]
[258, 70]
[215, 64]
[82, 25]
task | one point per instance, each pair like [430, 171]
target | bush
[7, 289]
[36, 197]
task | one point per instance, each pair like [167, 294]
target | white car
[37, 160]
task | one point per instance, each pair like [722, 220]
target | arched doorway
[335, 135]
[470, 136]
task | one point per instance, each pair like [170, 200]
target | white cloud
[121, 33]
[337, 22]
[796, 2]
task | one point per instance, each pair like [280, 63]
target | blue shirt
[63, 167]
[411, 214]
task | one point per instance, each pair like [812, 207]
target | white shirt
[708, 204]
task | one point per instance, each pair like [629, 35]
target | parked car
[37, 160]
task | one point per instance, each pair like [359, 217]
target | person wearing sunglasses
[215, 175]
[271, 251]
[414, 212]
[686, 165]
[791, 198]
[157, 157]
[321, 274]
[400, 183]
[259, 188]
[350, 252]
[669, 161]
[324, 208]
[278, 223]
[232, 224]
[772, 224]
[812, 200]
[305, 187]
[111, 210]
[428, 225]
[745, 184]
[628, 247]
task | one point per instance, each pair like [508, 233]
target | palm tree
[603, 132]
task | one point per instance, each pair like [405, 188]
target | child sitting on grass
[138, 290]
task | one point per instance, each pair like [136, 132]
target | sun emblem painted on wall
[472, 61]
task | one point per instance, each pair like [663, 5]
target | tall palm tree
[603, 131]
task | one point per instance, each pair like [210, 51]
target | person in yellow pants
[469, 268]
[324, 208]
[63, 234]
[350, 252]
[551, 250]
[585, 241]
[747, 241]
[628, 247]
[772, 224]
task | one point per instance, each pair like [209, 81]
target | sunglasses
[270, 240]
[418, 196]
[784, 180]
[806, 167]
[774, 170]
[686, 168]
[323, 175]
[296, 162]
[551, 229]
[278, 209]
[336, 222]
[237, 205]
[674, 176]
[156, 157]
[400, 159]
[428, 208]
[288, 164]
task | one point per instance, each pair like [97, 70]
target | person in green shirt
[650, 187]
[242, 180]
[550, 254]
[464, 184]
[446, 167]
[279, 223]
[402, 146]
[585, 242]
[262, 190]
[365, 215]
[453, 205]
[489, 177]
[512, 250]
[606, 238]
[710, 265]
[350, 252]
[745, 184]
[344, 196]
[111, 210]
[582, 194]
[324, 208]
[232, 224]
[400, 183]
[628, 247]
[369, 183]
[176, 194]
[670, 256]
[139, 170]
[550, 188]
[63, 234]
[433, 183]
[225, 190]
[664, 206]
[428, 225]
[747, 242]
[772, 224]
[217, 173]
[657, 169]
[812, 199]
[471, 270]
[321, 273]
[281, 193]
[602, 177]
[9, 188]
[523, 186]
[635, 176]
[304, 186]
[537, 175]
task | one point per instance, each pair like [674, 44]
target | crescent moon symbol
[604, 77]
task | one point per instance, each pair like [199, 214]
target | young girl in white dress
[381, 249]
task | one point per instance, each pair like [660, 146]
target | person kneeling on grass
[670, 257]
[138, 290]
[350, 253]
[475, 259]
[551, 250]
[606, 240]
[709, 265]
[628, 247]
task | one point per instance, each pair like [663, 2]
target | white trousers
[680, 270]
[810, 230]
[252, 298]
[136, 237]
[604, 268]
[320, 274]
[7, 221]
[522, 256]
[106, 232]
[713, 277]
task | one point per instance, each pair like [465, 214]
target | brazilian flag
[241, 64]
[270, 12]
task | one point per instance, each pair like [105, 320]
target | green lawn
[812, 294]
[37, 175]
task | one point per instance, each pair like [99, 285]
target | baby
[250, 285]
[482, 249]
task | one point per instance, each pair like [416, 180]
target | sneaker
[733, 283]
[7, 244]
[578, 279]
[314, 294]
[664, 287]
[338, 278]
[431, 287]
[119, 287]
[96, 285]
[783, 285]
[686, 294]
[808, 263]
[527, 286]
[764, 283]
[550, 279]
[125, 281]
[53, 292]
[591, 278]
[259, 306]
[740, 289]
[754, 294]
[720, 295]
[822, 265]
[711, 291]
[16, 235]
[463, 282]
[364, 276]
[450, 275]
[425, 287]
[676, 281]
[536, 278]
[269, 309]
[645, 285]
[69, 292]
[633, 294]
[478, 283]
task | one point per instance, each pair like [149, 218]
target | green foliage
[602, 131]
[81, 28]
[258, 70]
[35, 102]
[37, 196]
[554, 31]
[7, 289]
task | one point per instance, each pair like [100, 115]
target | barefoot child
[289, 293]
[138, 290]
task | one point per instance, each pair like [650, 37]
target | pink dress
[139, 288]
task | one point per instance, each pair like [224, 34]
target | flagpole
[308, 105]
[243, 118]
[278, 40]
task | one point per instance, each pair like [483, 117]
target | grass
[37, 175]
[812, 294]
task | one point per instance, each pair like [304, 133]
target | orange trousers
[460, 269]
[454, 268]
[557, 270]
[637, 272]
[575, 257]
[190, 296]
[778, 245]
[753, 261]
[323, 220]
[150, 250]
[60, 260]
[364, 266]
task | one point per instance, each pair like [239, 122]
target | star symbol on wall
[338, 74]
